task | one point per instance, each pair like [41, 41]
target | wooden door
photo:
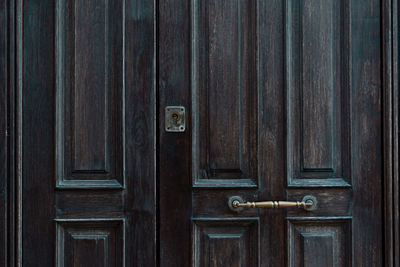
[86, 103]
[284, 101]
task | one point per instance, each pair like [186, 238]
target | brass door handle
[237, 204]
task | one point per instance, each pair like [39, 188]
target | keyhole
[175, 118]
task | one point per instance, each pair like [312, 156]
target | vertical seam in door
[156, 130]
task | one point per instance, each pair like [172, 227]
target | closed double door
[274, 100]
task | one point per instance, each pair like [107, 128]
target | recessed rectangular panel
[319, 243]
[225, 243]
[317, 91]
[90, 243]
[90, 249]
[317, 82]
[89, 62]
[224, 250]
[322, 243]
[224, 89]
[90, 92]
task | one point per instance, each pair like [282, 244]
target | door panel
[318, 131]
[224, 120]
[89, 61]
[88, 134]
[90, 243]
[225, 242]
[319, 242]
[317, 84]
[224, 133]
[284, 103]
[282, 100]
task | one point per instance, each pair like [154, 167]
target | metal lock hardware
[175, 119]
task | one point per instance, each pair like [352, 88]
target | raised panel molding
[89, 94]
[225, 242]
[322, 242]
[319, 241]
[90, 242]
[224, 93]
[317, 45]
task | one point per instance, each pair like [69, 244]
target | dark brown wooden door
[283, 99]
[86, 184]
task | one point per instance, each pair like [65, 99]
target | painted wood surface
[88, 123]
[283, 99]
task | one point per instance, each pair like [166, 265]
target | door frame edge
[390, 101]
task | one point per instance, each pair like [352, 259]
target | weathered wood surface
[283, 99]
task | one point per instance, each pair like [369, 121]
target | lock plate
[175, 119]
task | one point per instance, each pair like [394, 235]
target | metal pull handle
[237, 204]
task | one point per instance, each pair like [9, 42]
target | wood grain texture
[89, 64]
[225, 243]
[318, 150]
[319, 243]
[389, 133]
[271, 129]
[367, 168]
[348, 131]
[315, 112]
[90, 243]
[90, 46]
[331, 202]
[317, 49]
[394, 49]
[112, 92]
[223, 92]
[224, 96]
[140, 119]
[320, 40]
[4, 105]
[38, 152]
[174, 149]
